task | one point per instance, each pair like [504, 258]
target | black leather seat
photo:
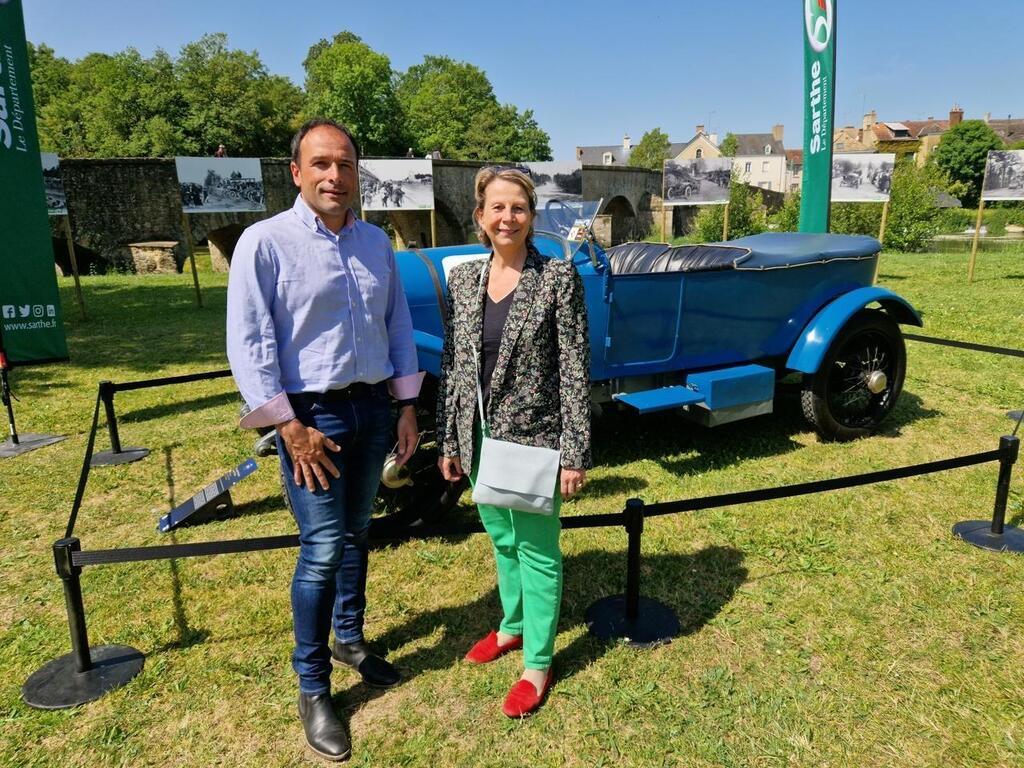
[644, 258]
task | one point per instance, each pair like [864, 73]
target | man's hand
[451, 468]
[408, 434]
[306, 447]
[572, 481]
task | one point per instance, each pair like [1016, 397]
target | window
[764, 166]
[767, 149]
[746, 167]
[700, 153]
[608, 158]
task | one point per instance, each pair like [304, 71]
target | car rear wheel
[859, 380]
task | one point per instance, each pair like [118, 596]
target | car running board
[723, 395]
[662, 399]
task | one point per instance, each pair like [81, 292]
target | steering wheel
[561, 214]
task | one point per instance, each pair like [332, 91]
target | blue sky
[595, 71]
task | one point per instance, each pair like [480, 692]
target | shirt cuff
[276, 410]
[406, 387]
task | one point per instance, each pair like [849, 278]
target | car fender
[814, 341]
[428, 351]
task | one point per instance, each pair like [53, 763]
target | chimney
[626, 143]
[713, 138]
[700, 128]
[869, 120]
[777, 131]
[956, 114]
[988, 116]
[579, 153]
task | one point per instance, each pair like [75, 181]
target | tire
[837, 400]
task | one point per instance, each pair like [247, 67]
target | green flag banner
[819, 103]
[30, 313]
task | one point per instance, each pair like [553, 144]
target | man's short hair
[317, 122]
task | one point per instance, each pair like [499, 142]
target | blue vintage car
[704, 329]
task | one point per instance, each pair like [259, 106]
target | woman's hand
[572, 481]
[451, 468]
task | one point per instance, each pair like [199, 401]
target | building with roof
[760, 159]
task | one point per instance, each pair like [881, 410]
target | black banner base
[655, 624]
[112, 458]
[27, 442]
[979, 533]
[58, 684]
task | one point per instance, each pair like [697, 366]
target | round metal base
[124, 456]
[979, 533]
[59, 684]
[655, 624]
[28, 441]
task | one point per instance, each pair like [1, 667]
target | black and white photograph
[396, 185]
[1004, 175]
[53, 185]
[220, 184]
[862, 177]
[697, 182]
[556, 180]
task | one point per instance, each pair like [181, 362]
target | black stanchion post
[116, 455]
[630, 618]
[84, 674]
[995, 534]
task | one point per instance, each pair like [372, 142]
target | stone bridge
[114, 203]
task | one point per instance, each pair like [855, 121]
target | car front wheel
[859, 380]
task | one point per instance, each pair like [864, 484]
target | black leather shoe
[375, 670]
[325, 734]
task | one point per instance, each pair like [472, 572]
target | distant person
[318, 363]
[222, 151]
[410, 153]
[532, 365]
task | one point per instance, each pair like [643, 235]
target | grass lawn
[844, 629]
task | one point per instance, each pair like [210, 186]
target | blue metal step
[661, 399]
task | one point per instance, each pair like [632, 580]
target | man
[318, 333]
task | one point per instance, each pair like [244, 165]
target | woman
[519, 319]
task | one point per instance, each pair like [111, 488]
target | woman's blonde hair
[491, 173]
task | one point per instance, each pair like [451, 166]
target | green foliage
[1016, 145]
[787, 218]
[994, 218]
[125, 105]
[450, 106]
[730, 144]
[746, 214]
[652, 150]
[348, 81]
[962, 154]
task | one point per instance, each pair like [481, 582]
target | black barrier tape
[817, 486]
[83, 478]
[183, 379]
[169, 551]
[966, 345]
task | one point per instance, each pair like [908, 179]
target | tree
[730, 145]
[503, 133]
[652, 150]
[962, 154]
[349, 82]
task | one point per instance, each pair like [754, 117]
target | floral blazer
[540, 388]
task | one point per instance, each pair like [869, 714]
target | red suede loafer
[523, 697]
[488, 649]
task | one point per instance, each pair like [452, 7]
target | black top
[495, 314]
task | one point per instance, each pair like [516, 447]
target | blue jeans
[330, 575]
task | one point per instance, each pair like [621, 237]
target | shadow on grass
[180, 406]
[696, 586]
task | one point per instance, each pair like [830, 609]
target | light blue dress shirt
[309, 311]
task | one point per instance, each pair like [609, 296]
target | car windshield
[569, 221]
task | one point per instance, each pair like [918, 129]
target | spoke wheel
[860, 378]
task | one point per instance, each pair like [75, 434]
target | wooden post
[74, 264]
[725, 223]
[190, 249]
[664, 207]
[974, 245]
[433, 228]
[881, 239]
[977, 225]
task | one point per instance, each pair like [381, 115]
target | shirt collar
[314, 222]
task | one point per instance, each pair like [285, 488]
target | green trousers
[529, 563]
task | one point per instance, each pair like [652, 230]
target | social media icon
[24, 310]
[51, 311]
[8, 310]
[37, 310]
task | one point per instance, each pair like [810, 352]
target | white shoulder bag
[511, 475]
